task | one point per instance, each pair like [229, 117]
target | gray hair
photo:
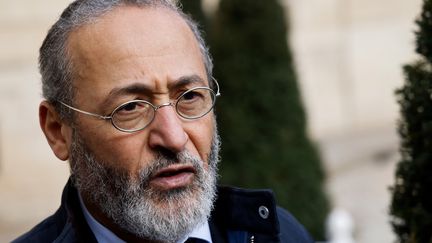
[55, 65]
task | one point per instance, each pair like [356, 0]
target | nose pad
[166, 130]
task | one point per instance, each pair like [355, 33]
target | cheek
[200, 134]
[124, 151]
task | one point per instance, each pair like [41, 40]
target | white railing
[340, 226]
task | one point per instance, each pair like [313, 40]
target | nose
[166, 130]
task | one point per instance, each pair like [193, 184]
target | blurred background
[348, 56]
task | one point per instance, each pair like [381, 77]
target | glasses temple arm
[86, 112]
[217, 86]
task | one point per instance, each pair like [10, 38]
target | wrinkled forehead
[156, 31]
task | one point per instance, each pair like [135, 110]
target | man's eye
[132, 107]
[129, 107]
[191, 95]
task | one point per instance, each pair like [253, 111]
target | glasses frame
[155, 108]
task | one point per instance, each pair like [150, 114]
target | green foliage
[411, 205]
[412, 201]
[424, 40]
[260, 115]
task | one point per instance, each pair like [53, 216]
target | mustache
[163, 160]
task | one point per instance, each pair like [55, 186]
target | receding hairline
[114, 11]
[115, 14]
[77, 50]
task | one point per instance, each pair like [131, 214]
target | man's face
[149, 54]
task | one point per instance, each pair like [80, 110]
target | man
[129, 96]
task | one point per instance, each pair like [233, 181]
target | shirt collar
[104, 235]
[200, 232]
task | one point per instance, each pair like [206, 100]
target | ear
[57, 133]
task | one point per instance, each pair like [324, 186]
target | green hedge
[411, 206]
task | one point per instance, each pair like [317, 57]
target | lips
[173, 176]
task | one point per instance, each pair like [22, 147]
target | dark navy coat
[240, 216]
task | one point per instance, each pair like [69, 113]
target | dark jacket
[240, 216]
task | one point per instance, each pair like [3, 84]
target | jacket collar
[251, 211]
[76, 226]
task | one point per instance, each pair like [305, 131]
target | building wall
[31, 178]
[349, 55]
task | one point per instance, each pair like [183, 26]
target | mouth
[173, 176]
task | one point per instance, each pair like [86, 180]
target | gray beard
[139, 209]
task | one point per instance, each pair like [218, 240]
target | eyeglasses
[135, 115]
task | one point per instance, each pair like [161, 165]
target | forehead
[124, 22]
[126, 27]
[134, 43]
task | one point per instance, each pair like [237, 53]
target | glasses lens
[133, 115]
[195, 103]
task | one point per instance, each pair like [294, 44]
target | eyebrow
[142, 88]
[187, 80]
